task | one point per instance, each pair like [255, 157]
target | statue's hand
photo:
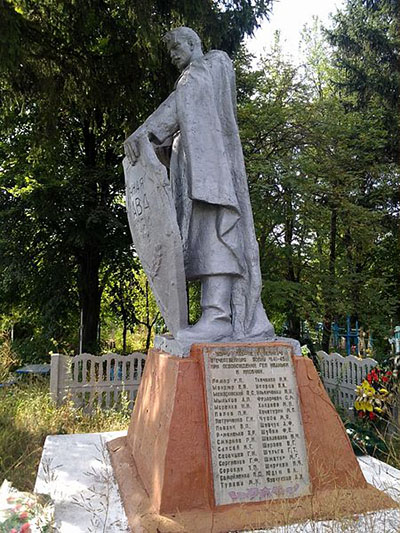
[133, 143]
[131, 148]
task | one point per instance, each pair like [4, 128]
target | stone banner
[256, 434]
[155, 234]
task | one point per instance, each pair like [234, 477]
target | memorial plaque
[256, 433]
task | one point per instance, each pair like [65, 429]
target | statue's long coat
[209, 184]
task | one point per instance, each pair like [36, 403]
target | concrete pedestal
[163, 467]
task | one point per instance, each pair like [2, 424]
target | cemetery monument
[195, 133]
[231, 429]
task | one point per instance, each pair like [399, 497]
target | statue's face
[181, 52]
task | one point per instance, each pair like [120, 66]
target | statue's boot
[215, 322]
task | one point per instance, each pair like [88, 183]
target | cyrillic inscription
[156, 236]
[257, 440]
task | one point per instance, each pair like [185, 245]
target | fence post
[394, 423]
[58, 376]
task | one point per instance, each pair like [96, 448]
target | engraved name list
[257, 440]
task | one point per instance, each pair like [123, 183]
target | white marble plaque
[257, 440]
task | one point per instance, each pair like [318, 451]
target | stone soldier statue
[194, 132]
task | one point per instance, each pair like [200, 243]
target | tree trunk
[330, 288]
[148, 337]
[124, 316]
[89, 257]
[294, 324]
[90, 297]
[326, 333]
[148, 324]
[292, 314]
[124, 333]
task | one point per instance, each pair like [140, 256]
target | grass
[28, 415]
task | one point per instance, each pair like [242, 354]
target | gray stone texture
[170, 345]
[194, 132]
[155, 232]
[67, 481]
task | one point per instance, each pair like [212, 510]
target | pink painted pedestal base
[163, 466]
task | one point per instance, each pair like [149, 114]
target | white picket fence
[341, 375]
[90, 380]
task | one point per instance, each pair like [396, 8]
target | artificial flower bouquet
[376, 396]
[23, 512]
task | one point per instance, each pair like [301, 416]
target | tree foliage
[76, 79]
[366, 41]
[366, 44]
[322, 195]
[320, 141]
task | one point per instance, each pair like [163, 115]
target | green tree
[320, 192]
[273, 127]
[76, 78]
[129, 300]
[366, 43]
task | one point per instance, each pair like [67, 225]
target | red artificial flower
[372, 415]
[25, 528]
[385, 379]
[369, 378]
[23, 516]
[360, 414]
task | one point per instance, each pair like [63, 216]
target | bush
[377, 440]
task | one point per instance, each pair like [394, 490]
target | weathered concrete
[155, 232]
[166, 343]
[71, 456]
[75, 471]
[165, 468]
[194, 132]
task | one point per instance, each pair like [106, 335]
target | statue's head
[184, 45]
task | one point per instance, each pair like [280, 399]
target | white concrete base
[75, 471]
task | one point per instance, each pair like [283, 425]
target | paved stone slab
[76, 473]
[380, 522]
